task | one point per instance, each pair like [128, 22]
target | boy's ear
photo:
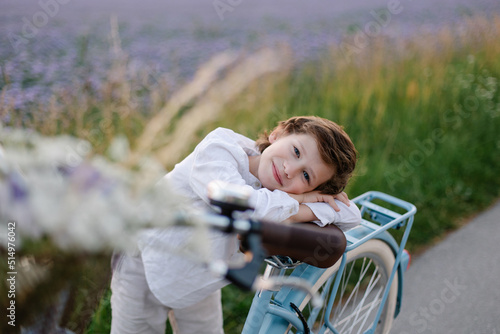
[275, 135]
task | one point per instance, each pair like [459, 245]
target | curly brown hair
[335, 147]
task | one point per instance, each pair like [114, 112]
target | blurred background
[414, 83]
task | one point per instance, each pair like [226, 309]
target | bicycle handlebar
[306, 242]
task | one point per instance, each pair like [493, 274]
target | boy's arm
[326, 209]
[347, 218]
[305, 214]
[316, 196]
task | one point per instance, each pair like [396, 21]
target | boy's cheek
[266, 184]
[294, 189]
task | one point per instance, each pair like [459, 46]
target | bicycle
[355, 286]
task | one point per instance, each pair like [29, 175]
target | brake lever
[245, 277]
[228, 197]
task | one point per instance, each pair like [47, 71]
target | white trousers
[134, 308]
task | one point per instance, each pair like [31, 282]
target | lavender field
[48, 46]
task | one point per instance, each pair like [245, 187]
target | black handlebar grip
[306, 242]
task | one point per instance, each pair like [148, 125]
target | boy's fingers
[343, 198]
[333, 204]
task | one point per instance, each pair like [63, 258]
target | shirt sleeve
[273, 206]
[221, 160]
[347, 218]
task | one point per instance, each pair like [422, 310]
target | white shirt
[221, 155]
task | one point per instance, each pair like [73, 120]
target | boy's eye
[306, 176]
[297, 152]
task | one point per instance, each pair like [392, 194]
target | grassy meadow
[423, 112]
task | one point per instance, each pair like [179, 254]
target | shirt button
[257, 185]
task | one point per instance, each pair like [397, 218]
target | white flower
[55, 187]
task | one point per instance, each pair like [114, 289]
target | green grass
[423, 113]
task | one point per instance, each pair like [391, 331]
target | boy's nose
[290, 170]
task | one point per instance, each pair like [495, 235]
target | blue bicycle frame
[271, 311]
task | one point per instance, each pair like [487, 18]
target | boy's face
[292, 163]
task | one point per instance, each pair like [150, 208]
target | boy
[295, 174]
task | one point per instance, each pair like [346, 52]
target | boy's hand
[343, 198]
[316, 196]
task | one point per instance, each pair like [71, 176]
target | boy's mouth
[276, 175]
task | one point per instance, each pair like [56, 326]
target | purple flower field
[51, 45]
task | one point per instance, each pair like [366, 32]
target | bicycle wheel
[360, 292]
